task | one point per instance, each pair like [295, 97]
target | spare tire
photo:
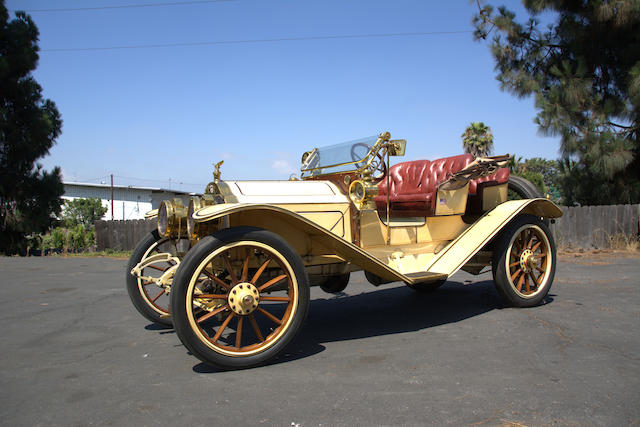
[524, 188]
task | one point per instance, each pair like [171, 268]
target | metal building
[129, 202]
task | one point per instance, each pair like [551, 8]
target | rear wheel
[335, 284]
[374, 279]
[239, 297]
[524, 262]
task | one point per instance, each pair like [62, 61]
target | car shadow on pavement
[395, 310]
[158, 327]
[384, 311]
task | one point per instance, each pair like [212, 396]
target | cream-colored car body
[315, 217]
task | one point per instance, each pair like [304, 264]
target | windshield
[343, 157]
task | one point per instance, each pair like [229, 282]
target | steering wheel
[377, 169]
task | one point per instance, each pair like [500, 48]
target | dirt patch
[594, 256]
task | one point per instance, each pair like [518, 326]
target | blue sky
[162, 116]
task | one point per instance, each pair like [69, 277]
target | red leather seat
[414, 184]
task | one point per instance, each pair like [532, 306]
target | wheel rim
[156, 298]
[529, 261]
[242, 298]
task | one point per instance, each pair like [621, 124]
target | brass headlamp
[194, 229]
[362, 192]
[172, 218]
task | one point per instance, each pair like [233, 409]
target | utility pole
[111, 197]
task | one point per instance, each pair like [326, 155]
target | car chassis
[234, 267]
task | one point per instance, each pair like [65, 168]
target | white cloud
[282, 166]
[222, 155]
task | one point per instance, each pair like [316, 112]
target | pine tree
[584, 71]
[29, 126]
[477, 139]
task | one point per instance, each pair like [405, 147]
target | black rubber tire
[426, 287]
[139, 301]
[181, 309]
[523, 187]
[335, 284]
[500, 263]
[375, 280]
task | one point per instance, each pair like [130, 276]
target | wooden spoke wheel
[239, 296]
[151, 300]
[524, 261]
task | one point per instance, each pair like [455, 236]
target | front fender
[292, 226]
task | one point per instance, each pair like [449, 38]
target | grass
[108, 253]
[624, 242]
[619, 242]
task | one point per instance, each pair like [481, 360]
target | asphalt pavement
[74, 352]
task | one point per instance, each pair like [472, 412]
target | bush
[34, 243]
[91, 238]
[77, 239]
[47, 242]
[58, 237]
[535, 178]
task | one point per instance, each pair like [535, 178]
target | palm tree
[477, 139]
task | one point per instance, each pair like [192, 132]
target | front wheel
[151, 300]
[524, 261]
[239, 297]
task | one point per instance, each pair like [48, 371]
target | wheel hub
[244, 298]
[528, 261]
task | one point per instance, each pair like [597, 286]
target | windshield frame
[312, 167]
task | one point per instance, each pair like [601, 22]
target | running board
[425, 277]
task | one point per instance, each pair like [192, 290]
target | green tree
[584, 71]
[477, 139]
[551, 175]
[82, 212]
[29, 126]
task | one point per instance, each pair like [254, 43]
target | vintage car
[232, 270]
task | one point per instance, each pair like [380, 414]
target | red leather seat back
[405, 178]
[500, 177]
[414, 184]
[439, 170]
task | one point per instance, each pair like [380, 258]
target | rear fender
[457, 253]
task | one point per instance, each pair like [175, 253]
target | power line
[127, 6]
[283, 39]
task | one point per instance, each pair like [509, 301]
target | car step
[425, 276]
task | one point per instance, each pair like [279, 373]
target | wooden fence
[579, 227]
[122, 235]
[596, 226]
